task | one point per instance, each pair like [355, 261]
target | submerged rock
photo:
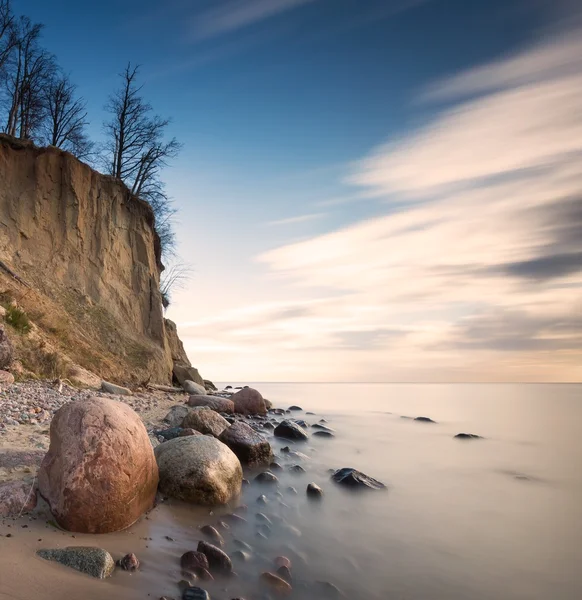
[294, 408]
[266, 477]
[353, 478]
[92, 561]
[199, 469]
[221, 405]
[250, 447]
[468, 436]
[249, 402]
[217, 559]
[424, 420]
[314, 491]
[213, 534]
[291, 431]
[326, 434]
[322, 427]
[276, 582]
[195, 593]
[205, 420]
[301, 423]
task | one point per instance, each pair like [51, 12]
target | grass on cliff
[18, 319]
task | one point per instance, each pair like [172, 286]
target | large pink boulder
[100, 474]
[249, 401]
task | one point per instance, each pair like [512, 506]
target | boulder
[191, 387]
[6, 378]
[209, 385]
[99, 474]
[118, 390]
[183, 372]
[353, 478]
[205, 420]
[249, 402]
[176, 415]
[216, 403]
[16, 498]
[199, 469]
[92, 561]
[290, 430]
[250, 447]
[6, 349]
[174, 432]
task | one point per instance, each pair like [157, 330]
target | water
[499, 518]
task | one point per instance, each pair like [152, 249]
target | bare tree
[66, 117]
[7, 33]
[29, 70]
[173, 279]
[136, 151]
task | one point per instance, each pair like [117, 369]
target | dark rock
[241, 556]
[353, 478]
[217, 559]
[314, 491]
[212, 534]
[286, 449]
[322, 427]
[250, 447]
[275, 466]
[92, 561]
[234, 518]
[194, 561]
[277, 411]
[129, 562]
[326, 434]
[268, 425]
[310, 413]
[301, 423]
[170, 433]
[275, 582]
[266, 477]
[424, 420]
[297, 469]
[291, 431]
[468, 436]
[195, 593]
[285, 573]
[294, 408]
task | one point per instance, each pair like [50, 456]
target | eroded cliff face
[87, 248]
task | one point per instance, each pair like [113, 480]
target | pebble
[213, 534]
[314, 491]
[275, 582]
[129, 562]
[262, 499]
[195, 593]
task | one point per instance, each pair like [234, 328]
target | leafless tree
[28, 71]
[66, 117]
[174, 278]
[7, 33]
[136, 151]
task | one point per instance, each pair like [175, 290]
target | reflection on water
[482, 519]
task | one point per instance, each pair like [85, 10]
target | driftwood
[12, 274]
[166, 388]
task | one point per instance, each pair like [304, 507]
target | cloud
[232, 15]
[297, 219]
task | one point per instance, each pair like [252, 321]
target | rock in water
[352, 478]
[294, 408]
[195, 593]
[92, 561]
[5, 349]
[221, 405]
[325, 434]
[176, 415]
[275, 582]
[129, 562]
[217, 559]
[205, 420]
[314, 491]
[250, 447]
[194, 561]
[266, 477]
[16, 498]
[322, 427]
[191, 387]
[118, 390]
[100, 473]
[199, 469]
[468, 436]
[249, 402]
[424, 420]
[213, 534]
[290, 430]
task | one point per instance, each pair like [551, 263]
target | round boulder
[221, 405]
[100, 473]
[250, 447]
[199, 469]
[205, 420]
[290, 430]
[249, 402]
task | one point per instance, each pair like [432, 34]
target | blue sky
[325, 143]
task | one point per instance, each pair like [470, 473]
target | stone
[183, 372]
[322, 427]
[92, 561]
[6, 378]
[176, 415]
[118, 390]
[324, 434]
[242, 545]
[191, 387]
[268, 404]
[195, 593]
[296, 469]
[282, 561]
[189, 431]
[266, 477]
[290, 430]
[294, 408]
[249, 402]
[275, 582]
[129, 562]
[194, 561]
[468, 436]
[275, 466]
[250, 447]
[314, 491]
[353, 478]
[17, 498]
[199, 469]
[262, 499]
[168, 434]
[213, 534]
[6, 349]
[285, 573]
[209, 385]
[99, 474]
[205, 420]
[424, 420]
[218, 560]
[263, 518]
[221, 405]
[301, 423]
[241, 555]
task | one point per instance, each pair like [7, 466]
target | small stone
[314, 491]
[193, 561]
[262, 499]
[297, 469]
[277, 583]
[285, 573]
[322, 427]
[353, 478]
[468, 436]
[111, 388]
[241, 555]
[326, 434]
[266, 477]
[195, 593]
[213, 534]
[262, 517]
[275, 466]
[424, 420]
[282, 561]
[217, 559]
[294, 407]
[129, 562]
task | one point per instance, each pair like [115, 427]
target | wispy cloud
[295, 220]
[232, 15]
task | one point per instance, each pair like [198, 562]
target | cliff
[91, 257]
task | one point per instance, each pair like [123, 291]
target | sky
[369, 190]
